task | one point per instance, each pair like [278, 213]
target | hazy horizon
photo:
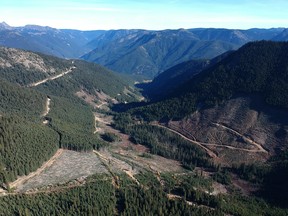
[148, 14]
[31, 24]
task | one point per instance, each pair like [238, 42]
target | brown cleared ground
[21, 180]
[135, 153]
[68, 166]
[242, 130]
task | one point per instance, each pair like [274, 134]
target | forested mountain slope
[258, 67]
[44, 106]
[189, 163]
[28, 68]
[234, 111]
[244, 95]
[148, 53]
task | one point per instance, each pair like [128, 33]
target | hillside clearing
[69, 165]
[21, 180]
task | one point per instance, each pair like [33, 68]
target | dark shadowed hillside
[168, 81]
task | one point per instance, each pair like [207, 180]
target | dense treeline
[175, 108]
[258, 67]
[24, 146]
[196, 189]
[24, 142]
[95, 198]
[75, 124]
[152, 197]
[138, 201]
[274, 187]
[110, 137]
[164, 143]
[192, 188]
[20, 75]
[92, 76]
[271, 178]
[26, 102]
[100, 197]
[86, 75]
[254, 173]
[166, 82]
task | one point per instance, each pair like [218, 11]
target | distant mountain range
[149, 53]
[138, 52]
[60, 43]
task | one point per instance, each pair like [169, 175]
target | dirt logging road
[47, 164]
[47, 107]
[21, 180]
[260, 148]
[211, 153]
[51, 78]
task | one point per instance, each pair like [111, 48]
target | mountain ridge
[141, 52]
[47, 40]
[218, 139]
[155, 51]
[251, 67]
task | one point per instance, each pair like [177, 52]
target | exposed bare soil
[67, 166]
[98, 100]
[27, 59]
[246, 188]
[21, 180]
[242, 130]
[47, 107]
[221, 143]
[46, 110]
[247, 139]
[128, 151]
[209, 152]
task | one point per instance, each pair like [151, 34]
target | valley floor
[67, 170]
[72, 168]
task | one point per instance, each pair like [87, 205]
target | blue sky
[146, 14]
